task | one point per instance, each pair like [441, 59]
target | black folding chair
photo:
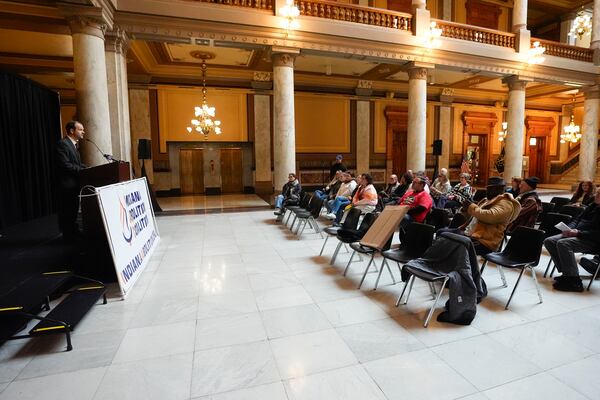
[479, 195]
[546, 208]
[559, 202]
[310, 217]
[548, 225]
[355, 235]
[351, 222]
[438, 217]
[569, 209]
[523, 251]
[304, 204]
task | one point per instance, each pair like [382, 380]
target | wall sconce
[433, 35]
[532, 141]
[535, 53]
[503, 133]
[289, 12]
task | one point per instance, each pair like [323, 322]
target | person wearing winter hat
[531, 205]
[336, 166]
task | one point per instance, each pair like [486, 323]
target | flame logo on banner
[127, 231]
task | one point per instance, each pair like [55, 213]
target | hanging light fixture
[535, 53]
[503, 133]
[289, 12]
[432, 37]
[203, 122]
[572, 132]
[582, 25]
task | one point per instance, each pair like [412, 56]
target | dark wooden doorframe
[191, 171]
[539, 128]
[396, 138]
[232, 170]
[482, 125]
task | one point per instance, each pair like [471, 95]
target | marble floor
[233, 306]
[201, 202]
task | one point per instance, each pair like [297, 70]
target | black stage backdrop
[29, 131]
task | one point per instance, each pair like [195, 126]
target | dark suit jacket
[69, 164]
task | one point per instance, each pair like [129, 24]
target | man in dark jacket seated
[290, 194]
[531, 205]
[583, 236]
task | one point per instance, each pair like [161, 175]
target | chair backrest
[366, 222]
[305, 200]
[525, 245]
[418, 238]
[559, 202]
[458, 220]
[438, 217]
[383, 229]
[550, 220]
[546, 208]
[479, 195]
[352, 218]
[573, 211]
[315, 206]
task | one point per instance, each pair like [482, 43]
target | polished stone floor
[233, 306]
[196, 202]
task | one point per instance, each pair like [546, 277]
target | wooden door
[477, 148]
[191, 171]
[537, 161]
[231, 171]
[396, 139]
[399, 144]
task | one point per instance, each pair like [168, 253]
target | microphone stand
[108, 157]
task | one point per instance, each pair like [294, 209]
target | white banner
[130, 227]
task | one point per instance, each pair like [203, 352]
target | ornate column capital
[87, 26]
[88, 20]
[283, 60]
[116, 41]
[418, 70]
[515, 82]
[591, 92]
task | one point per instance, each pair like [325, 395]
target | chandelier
[503, 133]
[289, 12]
[582, 25]
[432, 36]
[204, 123]
[535, 53]
[572, 133]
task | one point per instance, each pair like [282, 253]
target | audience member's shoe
[569, 284]
[330, 216]
[336, 224]
[278, 211]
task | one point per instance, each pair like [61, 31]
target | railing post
[523, 39]
[421, 18]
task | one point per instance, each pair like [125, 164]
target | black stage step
[33, 292]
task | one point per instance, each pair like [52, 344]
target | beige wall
[176, 110]
[139, 114]
[322, 123]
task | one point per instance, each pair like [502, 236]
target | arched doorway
[396, 138]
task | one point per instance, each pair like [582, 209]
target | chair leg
[335, 253]
[593, 277]
[432, 290]
[302, 231]
[379, 274]
[324, 243]
[537, 286]
[349, 261]
[547, 267]
[293, 222]
[410, 278]
[367, 270]
[515, 288]
[390, 271]
[316, 227]
[483, 267]
[435, 302]
[410, 289]
[346, 248]
[502, 276]
[553, 269]
[288, 213]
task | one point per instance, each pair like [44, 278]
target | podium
[93, 226]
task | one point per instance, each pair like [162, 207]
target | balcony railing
[565, 51]
[357, 14]
[476, 34]
[256, 4]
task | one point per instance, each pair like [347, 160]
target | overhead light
[572, 132]
[203, 122]
[289, 12]
[503, 133]
[532, 141]
[582, 25]
[432, 36]
[535, 53]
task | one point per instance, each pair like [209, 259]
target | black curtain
[29, 131]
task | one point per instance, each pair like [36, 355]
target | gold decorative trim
[417, 73]
[283, 60]
[87, 26]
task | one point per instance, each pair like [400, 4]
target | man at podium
[68, 167]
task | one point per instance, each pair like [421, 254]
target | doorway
[396, 139]
[232, 171]
[537, 159]
[477, 154]
[191, 171]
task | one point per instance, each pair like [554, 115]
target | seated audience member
[290, 194]
[365, 198]
[515, 186]
[333, 186]
[393, 191]
[531, 205]
[418, 200]
[583, 236]
[343, 196]
[337, 166]
[584, 195]
[460, 192]
[489, 218]
[440, 186]
[423, 176]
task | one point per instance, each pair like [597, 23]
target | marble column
[284, 130]
[565, 27]
[595, 39]
[262, 144]
[513, 156]
[519, 27]
[141, 128]
[91, 88]
[589, 135]
[417, 118]
[447, 10]
[116, 43]
[445, 125]
[363, 136]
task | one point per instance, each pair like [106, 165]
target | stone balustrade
[476, 34]
[565, 51]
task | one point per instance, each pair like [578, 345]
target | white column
[445, 125]
[565, 27]
[565, 120]
[116, 44]
[589, 138]
[519, 27]
[513, 156]
[595, 39]
[421, 18]
[284, 131]
[417, 118]
[141, 128]
[91, 90]
[262, 143]
[447, 10]
[363, 137]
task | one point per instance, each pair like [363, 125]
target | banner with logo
[130, 227]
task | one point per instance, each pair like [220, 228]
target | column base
[263, 187]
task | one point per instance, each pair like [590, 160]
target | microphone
[108, 157]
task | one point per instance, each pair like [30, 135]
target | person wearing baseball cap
[531, 205]
[337, 166]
